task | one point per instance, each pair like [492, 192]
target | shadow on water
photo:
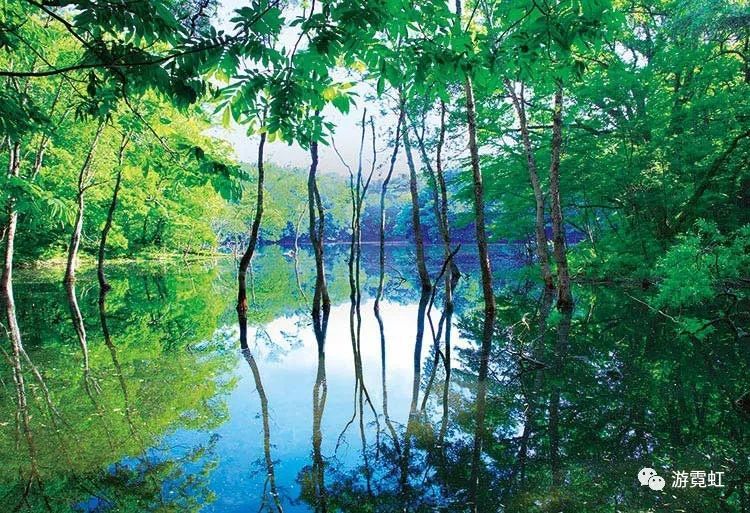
[576, 403]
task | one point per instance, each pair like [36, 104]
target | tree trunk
[248, 255]
[83, 177]
[424, 278]
[539, 226]
[321, 306]
[383, 191]
[6, 281]
[487, 293]
[103, 285]
[564, 297]
[381, 277]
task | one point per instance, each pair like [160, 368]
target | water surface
[169, 415]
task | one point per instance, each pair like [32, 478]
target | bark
[103, 285]
[487, 293]
[12, 329]
[252, 243]
[83, 185]
[564, 297]
[541, 234]
[320, 312]
[383, 192]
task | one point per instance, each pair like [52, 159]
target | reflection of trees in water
[270, 481]
[577, 403]
[89, 454]
[569, 418]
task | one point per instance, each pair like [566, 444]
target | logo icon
[648, 477]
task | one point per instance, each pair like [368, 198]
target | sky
[348, 126]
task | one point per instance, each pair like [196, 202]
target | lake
[148, 404]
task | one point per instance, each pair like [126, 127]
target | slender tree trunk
[321, 306]
[83, 177]
[6, 281]
[424, 277]
[358, 190]
[564, 297]
[487, 293]
[103, 285]
[452, 275]
[321, 309]
[381, 277]
[450, 269]
[355, 317]
[383, 192]
[541, 234]
[248, 255]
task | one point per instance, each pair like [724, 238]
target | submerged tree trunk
[452, 274]
[487, 293]
[564, 297]
[103, 285]
[424, 277]
[83, 185]
[321, 306]
[539, 225]
[381, 276]
[358, 190]
[321, 309]
[248, 255]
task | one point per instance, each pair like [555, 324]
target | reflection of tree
[98, 452]
[577, 402]
[270, 471]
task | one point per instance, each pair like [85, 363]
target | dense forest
[591, 142]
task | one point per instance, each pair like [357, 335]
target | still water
[148, 404]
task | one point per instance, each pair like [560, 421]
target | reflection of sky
[288, 375]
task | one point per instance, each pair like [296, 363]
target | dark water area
[148, 405]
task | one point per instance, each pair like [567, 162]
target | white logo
[648, 477]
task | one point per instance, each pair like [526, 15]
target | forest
[335, 256]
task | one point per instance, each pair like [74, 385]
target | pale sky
[348, 131]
